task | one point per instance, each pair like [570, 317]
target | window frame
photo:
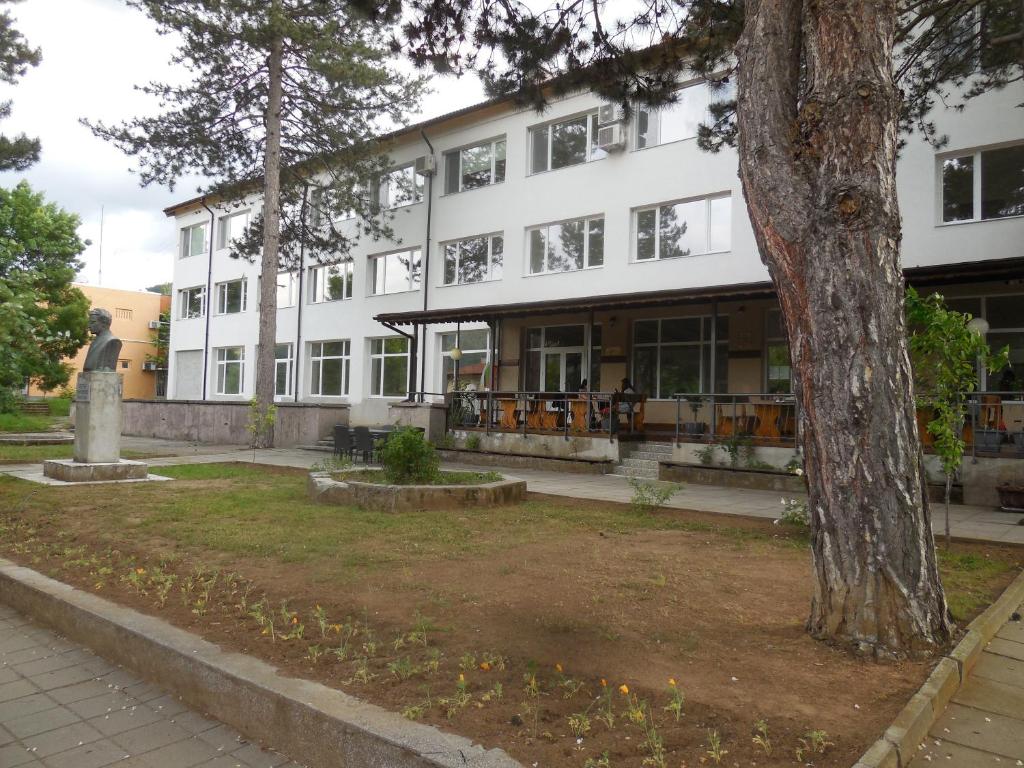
[414, 284]
[590, 114]
[221, 289]
[289, 363]
[490, 237]
[384, 187]
[223, 227]
[977, 184]
[221, 366]
[186, 240]
[586, 245]
[656, 207]
[292, 288]
[775, 341]
[315, 293]
[492, 144]
[384, 356]
[182, 292]
[317, 378]
[446, 354]
[700, 345]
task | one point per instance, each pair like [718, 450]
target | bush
[794, 512]
[473, 442]
[59, 406]
[10, 400]
[408, 458]
[649, 496]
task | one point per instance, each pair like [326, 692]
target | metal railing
[769, 417]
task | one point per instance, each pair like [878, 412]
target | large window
[986, 184]
[473, 369]
[674, 356]
[231, 297]
[283, 362]
[402, 186]
[555, 358]
[1005, 317]
[476, 166]
[395, 272]
[191, 302]
[567, 246]
[193, 240]
[330, 282]
[473, 260]
[287, 289]
[389, 367]
[231, 227]
[565, 143]
[681, 119]
[230, 370]
[684, 229]
[329, 368]
[778, 368]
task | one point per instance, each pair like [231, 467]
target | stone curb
[899, 743]
[311, 723]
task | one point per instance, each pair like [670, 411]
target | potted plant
[1011, 497]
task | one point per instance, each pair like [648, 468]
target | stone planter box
[549, 463]
[325, 489]
[1011, 497]
[731, 477]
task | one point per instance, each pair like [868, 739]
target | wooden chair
[990, 416]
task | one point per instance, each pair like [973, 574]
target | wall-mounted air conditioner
[426, 165]
[612, 138]
[610, 113]
[154, 325]
[149, 365]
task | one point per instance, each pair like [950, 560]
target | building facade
[571, 249]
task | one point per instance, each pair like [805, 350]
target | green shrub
[648, 496]
[473, 442]
[408, 458]
[706, 455]
[10, 400]
[794, 512]
[59, 406]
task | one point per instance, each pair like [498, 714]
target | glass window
[231, 297]
[565, 143]
[193, 240]
[230, 370]
[283, 362]
[567, 246]
[555, 359]
[287, 289]
[476, 166]
[395, 272]
[673, 356]
[684, 229]
[191, 302]
[473, 369]
[402, 186]
[778, 369]
[330, 282]
[676, 121]
[329, 368]
[389, 367]
[1002, 182]
[231, 227]
[1005, 312]
[473, 260]
[958, 188]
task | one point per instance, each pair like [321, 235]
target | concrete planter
[730, 477]
[1011, 497]
[323, 488]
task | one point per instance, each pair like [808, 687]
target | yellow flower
[485, 666]
[672, 682]
[336, 627]
[624, 689]
[295, 619]
[140, 571]
[318, 606]
[558, 668]
[604, 683]
[462, 678]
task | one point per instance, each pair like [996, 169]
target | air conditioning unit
[154, 325]
[149, 365]
[426, 165]
[612, 138]
[610, 113]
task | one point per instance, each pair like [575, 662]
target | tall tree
[286, 99]
[43, 318]
[16, 56]
[816, 121]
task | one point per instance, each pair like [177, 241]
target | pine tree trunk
[818, 112]
[265, 378]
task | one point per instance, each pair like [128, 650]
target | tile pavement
[61, 706]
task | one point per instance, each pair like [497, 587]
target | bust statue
[105, 347]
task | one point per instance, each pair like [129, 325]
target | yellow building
[136, 315]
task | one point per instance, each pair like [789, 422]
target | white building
[569, 259]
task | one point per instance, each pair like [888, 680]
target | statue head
[99, 320]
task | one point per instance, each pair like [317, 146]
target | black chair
[342, 441]
[364, 443]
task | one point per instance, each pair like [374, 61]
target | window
[987, 184]
[473, 260]
[567, 247]
[123, 314]
[389, 367]
[193, 240]
[402, 186]
[283, 362]
[474, 372]
[329, 368]
[124, 364]
[231, 227]
[569, 142]
[1005, 316]
[681, 119]
[287, 289]
[330, 282]
[230, 370]
[684, 229]
[395, 272]
[778, 368]
[476, 166]
[191, 302]
[231, 297]
[555, 358]
[674, 356]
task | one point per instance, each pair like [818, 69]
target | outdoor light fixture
[978, 325]
[455, 354]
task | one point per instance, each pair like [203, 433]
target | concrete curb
[314, 724]
[899, 743]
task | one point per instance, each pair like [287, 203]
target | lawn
[28, 422]
[515, 626]
[32, 454]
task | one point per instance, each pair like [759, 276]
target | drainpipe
[426, 274]
[298, 319]
[208, 303]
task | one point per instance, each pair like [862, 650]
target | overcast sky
[94, 52]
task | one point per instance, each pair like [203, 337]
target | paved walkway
[966, 522]
[63, 707]
[984, 723]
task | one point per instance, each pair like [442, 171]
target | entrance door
[563, 370]
[555, 358]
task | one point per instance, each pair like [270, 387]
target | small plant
[260, 424]
[598, 762]
[706, 455]
[653, 745]
[648, 496]
[363, 673]
[676, 699]
[447, 442]
[636, 710]
[314, 653]
[795, 466]
[473, 442]
[715, 751]
[533, 694]
[407, 458]
[320, 616]
[607, 713]
[495, 694]
[579, 724]
[740, 449]
[332, 464]
[761, 739]
[467, 662]
[794, 512]
[459, 701]
[813, 742]
[403, 668]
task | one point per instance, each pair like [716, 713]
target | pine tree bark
[818, 108]
[265, 378]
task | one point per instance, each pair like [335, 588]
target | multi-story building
[549, 249]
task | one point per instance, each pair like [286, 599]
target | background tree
[816, 121]
[161, 288]
[43, 318]
[285, 98]
[16, 57]
[945, 354]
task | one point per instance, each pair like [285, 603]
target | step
[653, 447]
[636, 463]
[650, 455]
[623, 471]
[318, 448]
